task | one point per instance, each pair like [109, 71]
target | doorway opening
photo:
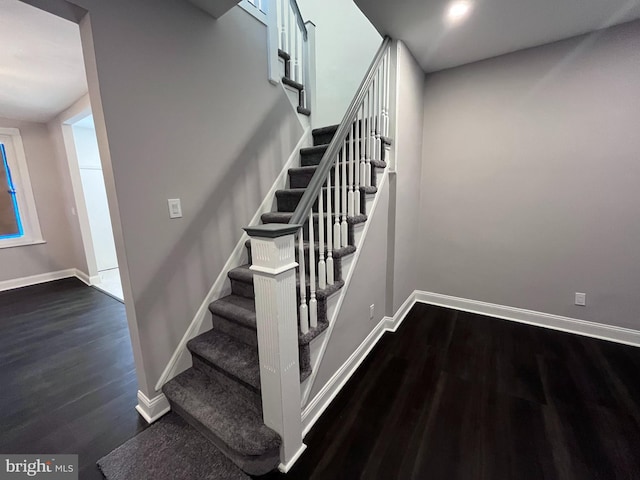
[103, 262]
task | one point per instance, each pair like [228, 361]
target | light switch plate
[175, 208]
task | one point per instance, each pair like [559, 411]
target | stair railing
[346, 171]
[294, 39]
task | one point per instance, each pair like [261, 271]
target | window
[18, 218]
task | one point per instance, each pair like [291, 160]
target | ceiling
[492, 28]
[41, 65]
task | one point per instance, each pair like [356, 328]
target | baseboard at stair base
[44, 278]
[285, 467]
[152, 409]
[546, 320]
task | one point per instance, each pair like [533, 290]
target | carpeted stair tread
[244, 274]
[331, 129]
[236, 308]
[336, 253]
[284, 217]
[303, 111]
[225, 353]
[246, 314]
[292, 83]
[298, 192]
[167, 450]
[227, 416]
[314, 150]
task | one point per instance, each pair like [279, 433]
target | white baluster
[330, 272]
[300, 36]
[370, 140]
[363, 144]
[378, 124]
[290, 35]
[337, 242]
[385, 111]
[304, 311]
[350, 199]
[387, 122]
[344, 229]
[356, 166]
[282, 25]
[313, 303]
[322, 267]
[304, 67]
[296, 50]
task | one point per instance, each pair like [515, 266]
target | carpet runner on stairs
[218, 398]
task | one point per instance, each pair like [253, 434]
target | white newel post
[274, 283]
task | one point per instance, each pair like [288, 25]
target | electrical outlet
[175, 208]
[372, 310]
[581, 299]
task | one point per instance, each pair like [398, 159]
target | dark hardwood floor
[450, 396]
[67, 375]
[454, 395]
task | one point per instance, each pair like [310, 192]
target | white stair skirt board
[181, 360]
[284, 468]
[152, 409]
[530, 317]
[44, 278]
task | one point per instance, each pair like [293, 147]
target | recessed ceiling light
[458, 11]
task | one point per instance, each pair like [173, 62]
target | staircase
[242, 378]
[220, 395]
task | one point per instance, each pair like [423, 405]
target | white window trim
[17, 161]
[254, 11]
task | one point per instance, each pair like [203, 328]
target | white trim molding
[36, 279]
[44, 278]
[17, 162]
[152, 409]
[285, 467]
[530, 317]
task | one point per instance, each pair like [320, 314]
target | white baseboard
[152, 409]
[285, 467]
[530, 317]
[84, 278]
[393, 323]
[36, 279]
[47, 277]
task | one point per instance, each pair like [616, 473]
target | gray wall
[346, 42]
[530, 181]
[50, 182]
[402, 267]
[189, 114]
